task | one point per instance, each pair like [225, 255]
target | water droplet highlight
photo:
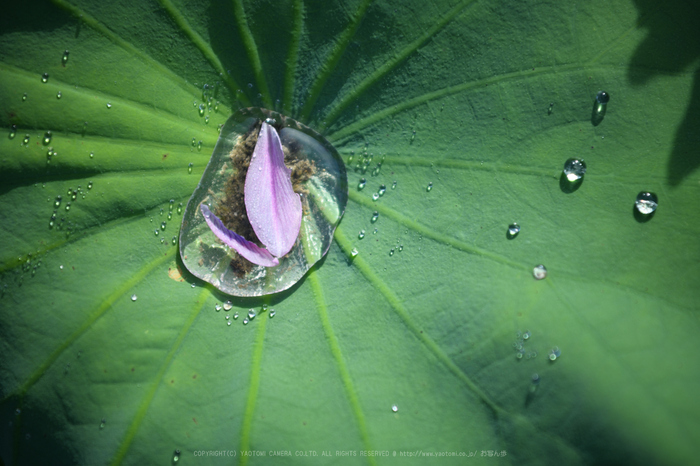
[539, 272]
[646, 203]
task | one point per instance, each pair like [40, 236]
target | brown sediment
[232, 211]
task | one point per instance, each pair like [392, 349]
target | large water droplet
[513, 230]
[574, 169]
[539, 272]
[45, 77]
[646, 203]
[317, 173]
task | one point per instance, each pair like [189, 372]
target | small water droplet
[217, 307]
[174, 240]
[201, 109]
[395, 408]
[382, 190]
[429, 187]
[526, 335]
[227, 316]
[391, 252]
[206, 119]
[57, 202]
[272, 313]
[170, 215]
[216, 106]
[251, 314]
[13, 131]
[245, 321]
[92, 155]
[44, 78]
[401, 248]
[229, 322]
[228, 305]
[375, 231]
[68, 206]
[235, 315]
[102, 423]
[134, 297]
[59, 95]
[393, 185]
[109, 104]
[375, 196]
[361, 184]
[156, 231]
[176, 456]
[375, 216]
[179, 208]
[24, 97]
[162, 225]
[271, 121]
[89, 186]
[189, 167]
[574, 169]
[18, 412]
[513, 230]
[60, 267]
[413, 135]
[551, 107]
[646, 203]
[64, 59]
[602, 97]
[25, 141]
[554, 353]
[47, 138]
[361, 234]
[354, 252]
[199, 145]
[539, 272]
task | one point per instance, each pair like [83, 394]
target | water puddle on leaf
[318, 175]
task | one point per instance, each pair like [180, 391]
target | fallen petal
[245, 248]
[273, 208]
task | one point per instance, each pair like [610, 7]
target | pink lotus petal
[245, 248]
[274, 209]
